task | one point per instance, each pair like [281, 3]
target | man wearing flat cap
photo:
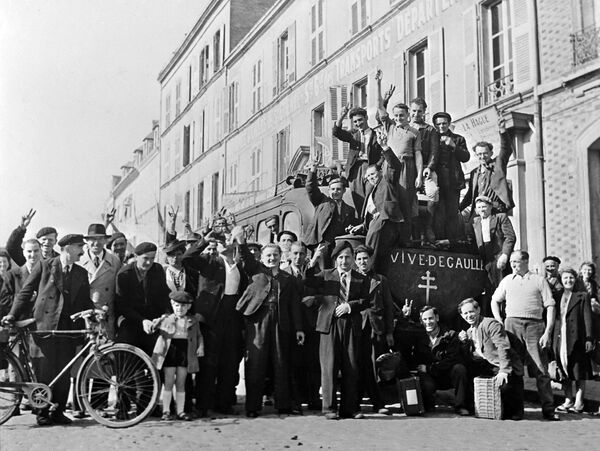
[551, 265]
[62, 289]
[451, 179]
[46, 236]
[142, 295]
[342, 294]
[102, 268]
[332, 215]
[364, 150]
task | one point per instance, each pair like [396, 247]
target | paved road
[440, 431]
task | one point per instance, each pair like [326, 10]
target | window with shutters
[202, 132]
[257, 86]
[318, 120]
[255, 161]
[233, 175]
[217, 51]
[317, 33]
[359, 93]
[233, 95]
[204, 64]
[358, 15]
[283, 61]
[417, 71]
[168, 110]
[186, 206]
[177, 98]
[284, 71]
[200, 204]
[338, 97]
[498, 51]
[586, 39]
[186, 145]
[215, 193]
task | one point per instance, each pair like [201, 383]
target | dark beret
[254, 245]
[114, 237]
[144, 248]
[46, 231]
[287, 232]
[174, 246]
[357, 112]
[71, 238]
[340, 247]
[442, 114]
[362, 248]
[485, 199]
[182, 297]
[553, 258]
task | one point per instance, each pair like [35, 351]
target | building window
[203, 66]
[282, 154]
[359, 16]
[177, 98]
[359, 93]
[217, 51]
[285, 56]
[318, 120]
[186, 207]
[255, 160]
[202, 132]
[215, 193]
[233, 105]
[257, 86]
[233, 176]
[317, 33]
[168, 109]
[283, 61]
[186, 145]
[499, 51]
[200, 204]
[417, 66]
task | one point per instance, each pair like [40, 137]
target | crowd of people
[313, 316]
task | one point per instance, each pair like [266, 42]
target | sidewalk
[592, 394]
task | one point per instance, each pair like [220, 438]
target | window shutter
[521, 45]
[276, 175]
[344, 101]
[223, 49]
[333, 107]
[470, 58]
[292, 52]
[194, 81]
[435, 44]
[354, 18]
[275, 67]
[363, 14]
[201, 70]
[227, 103]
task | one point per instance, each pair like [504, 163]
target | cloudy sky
[78, 92]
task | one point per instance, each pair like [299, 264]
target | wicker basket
[488, 403]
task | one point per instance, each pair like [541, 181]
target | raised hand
[27, 217]
[378, 75]
[382, 138]
[110, 217]
[407, 307]
[389, 93]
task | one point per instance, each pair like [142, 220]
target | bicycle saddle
[24, 323]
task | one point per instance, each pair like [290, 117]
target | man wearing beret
[142, 295]
[364, 150]
[62, 289]
[46, 236]
[332, 215]
[551, 265]
[451, 179]
[343, 294]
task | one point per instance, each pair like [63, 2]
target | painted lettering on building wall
[418, 14]
[437, 261]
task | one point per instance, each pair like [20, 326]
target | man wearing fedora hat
[102, 268]
[451, 179]
[62, 289]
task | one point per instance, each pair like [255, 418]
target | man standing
[62, 289]
[102, 268]
[489, 179]
[117, 244]
[451, 179]
[377, 326]
[285, 238]
[332, 214]
[551, 265]
[46, 236]
[526, 296]
[343, 294]
[364, 150]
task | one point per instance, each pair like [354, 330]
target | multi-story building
[254, 90]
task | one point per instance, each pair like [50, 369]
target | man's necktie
[96, 261]
[344, 287]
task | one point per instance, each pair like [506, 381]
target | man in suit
[220, 280]
[382, 215]
[489, 179]
[46, 236]
[492, 354]
[102, 268]
[62, 289]
[364, 150]
[142, 295]
[342, 294]
[451, 179]
[332, 215]
[495, 239]
[377, 326]
[271, 307]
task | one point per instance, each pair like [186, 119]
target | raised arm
[312, 186]
[506, 148]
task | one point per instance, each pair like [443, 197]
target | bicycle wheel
[11, 371]
[118, 385]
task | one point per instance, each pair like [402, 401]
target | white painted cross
[427, 278]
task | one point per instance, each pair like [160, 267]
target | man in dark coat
[142, 295]
[46, 236]
[62, 289]
[451, 179]
[342, 294]
[364, 150]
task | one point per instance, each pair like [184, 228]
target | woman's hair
[569, 271]
[592, 265]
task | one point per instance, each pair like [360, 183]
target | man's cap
[174, 246]
[114, 237]
[254, 245]
[357, 111]
[553, 258]
[485, 199]
[96, 231]
[287, 232]
[363, 248]
[182, 297]
[337, 179]
[71, 238]
[45, 231]
[144, 248]
[340, 247]
[441, 114]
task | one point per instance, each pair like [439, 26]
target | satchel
[555, 372]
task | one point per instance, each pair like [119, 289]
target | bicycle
[117, 384]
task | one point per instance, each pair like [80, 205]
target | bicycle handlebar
[90, 313]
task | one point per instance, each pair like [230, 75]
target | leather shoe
[384, 411]
[60, 418]
[332, 416]
[43, 420]
[79, 414]
[358, 416]
[551, 417]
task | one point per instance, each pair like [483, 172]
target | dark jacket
[327, 285]
[354, 139]
[502, 236]
[449, 168]
[380, 313]
[385, 193]
[13, 282]
[447, 352]
[14, 243]
[54, 300]
[430, 142]
[579, 323]
[326, 223]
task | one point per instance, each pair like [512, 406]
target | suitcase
[409, 392]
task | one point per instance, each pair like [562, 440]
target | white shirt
[232, 278]
[485, 230]
[366, 138]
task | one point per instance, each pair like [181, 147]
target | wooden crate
[488, 403]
